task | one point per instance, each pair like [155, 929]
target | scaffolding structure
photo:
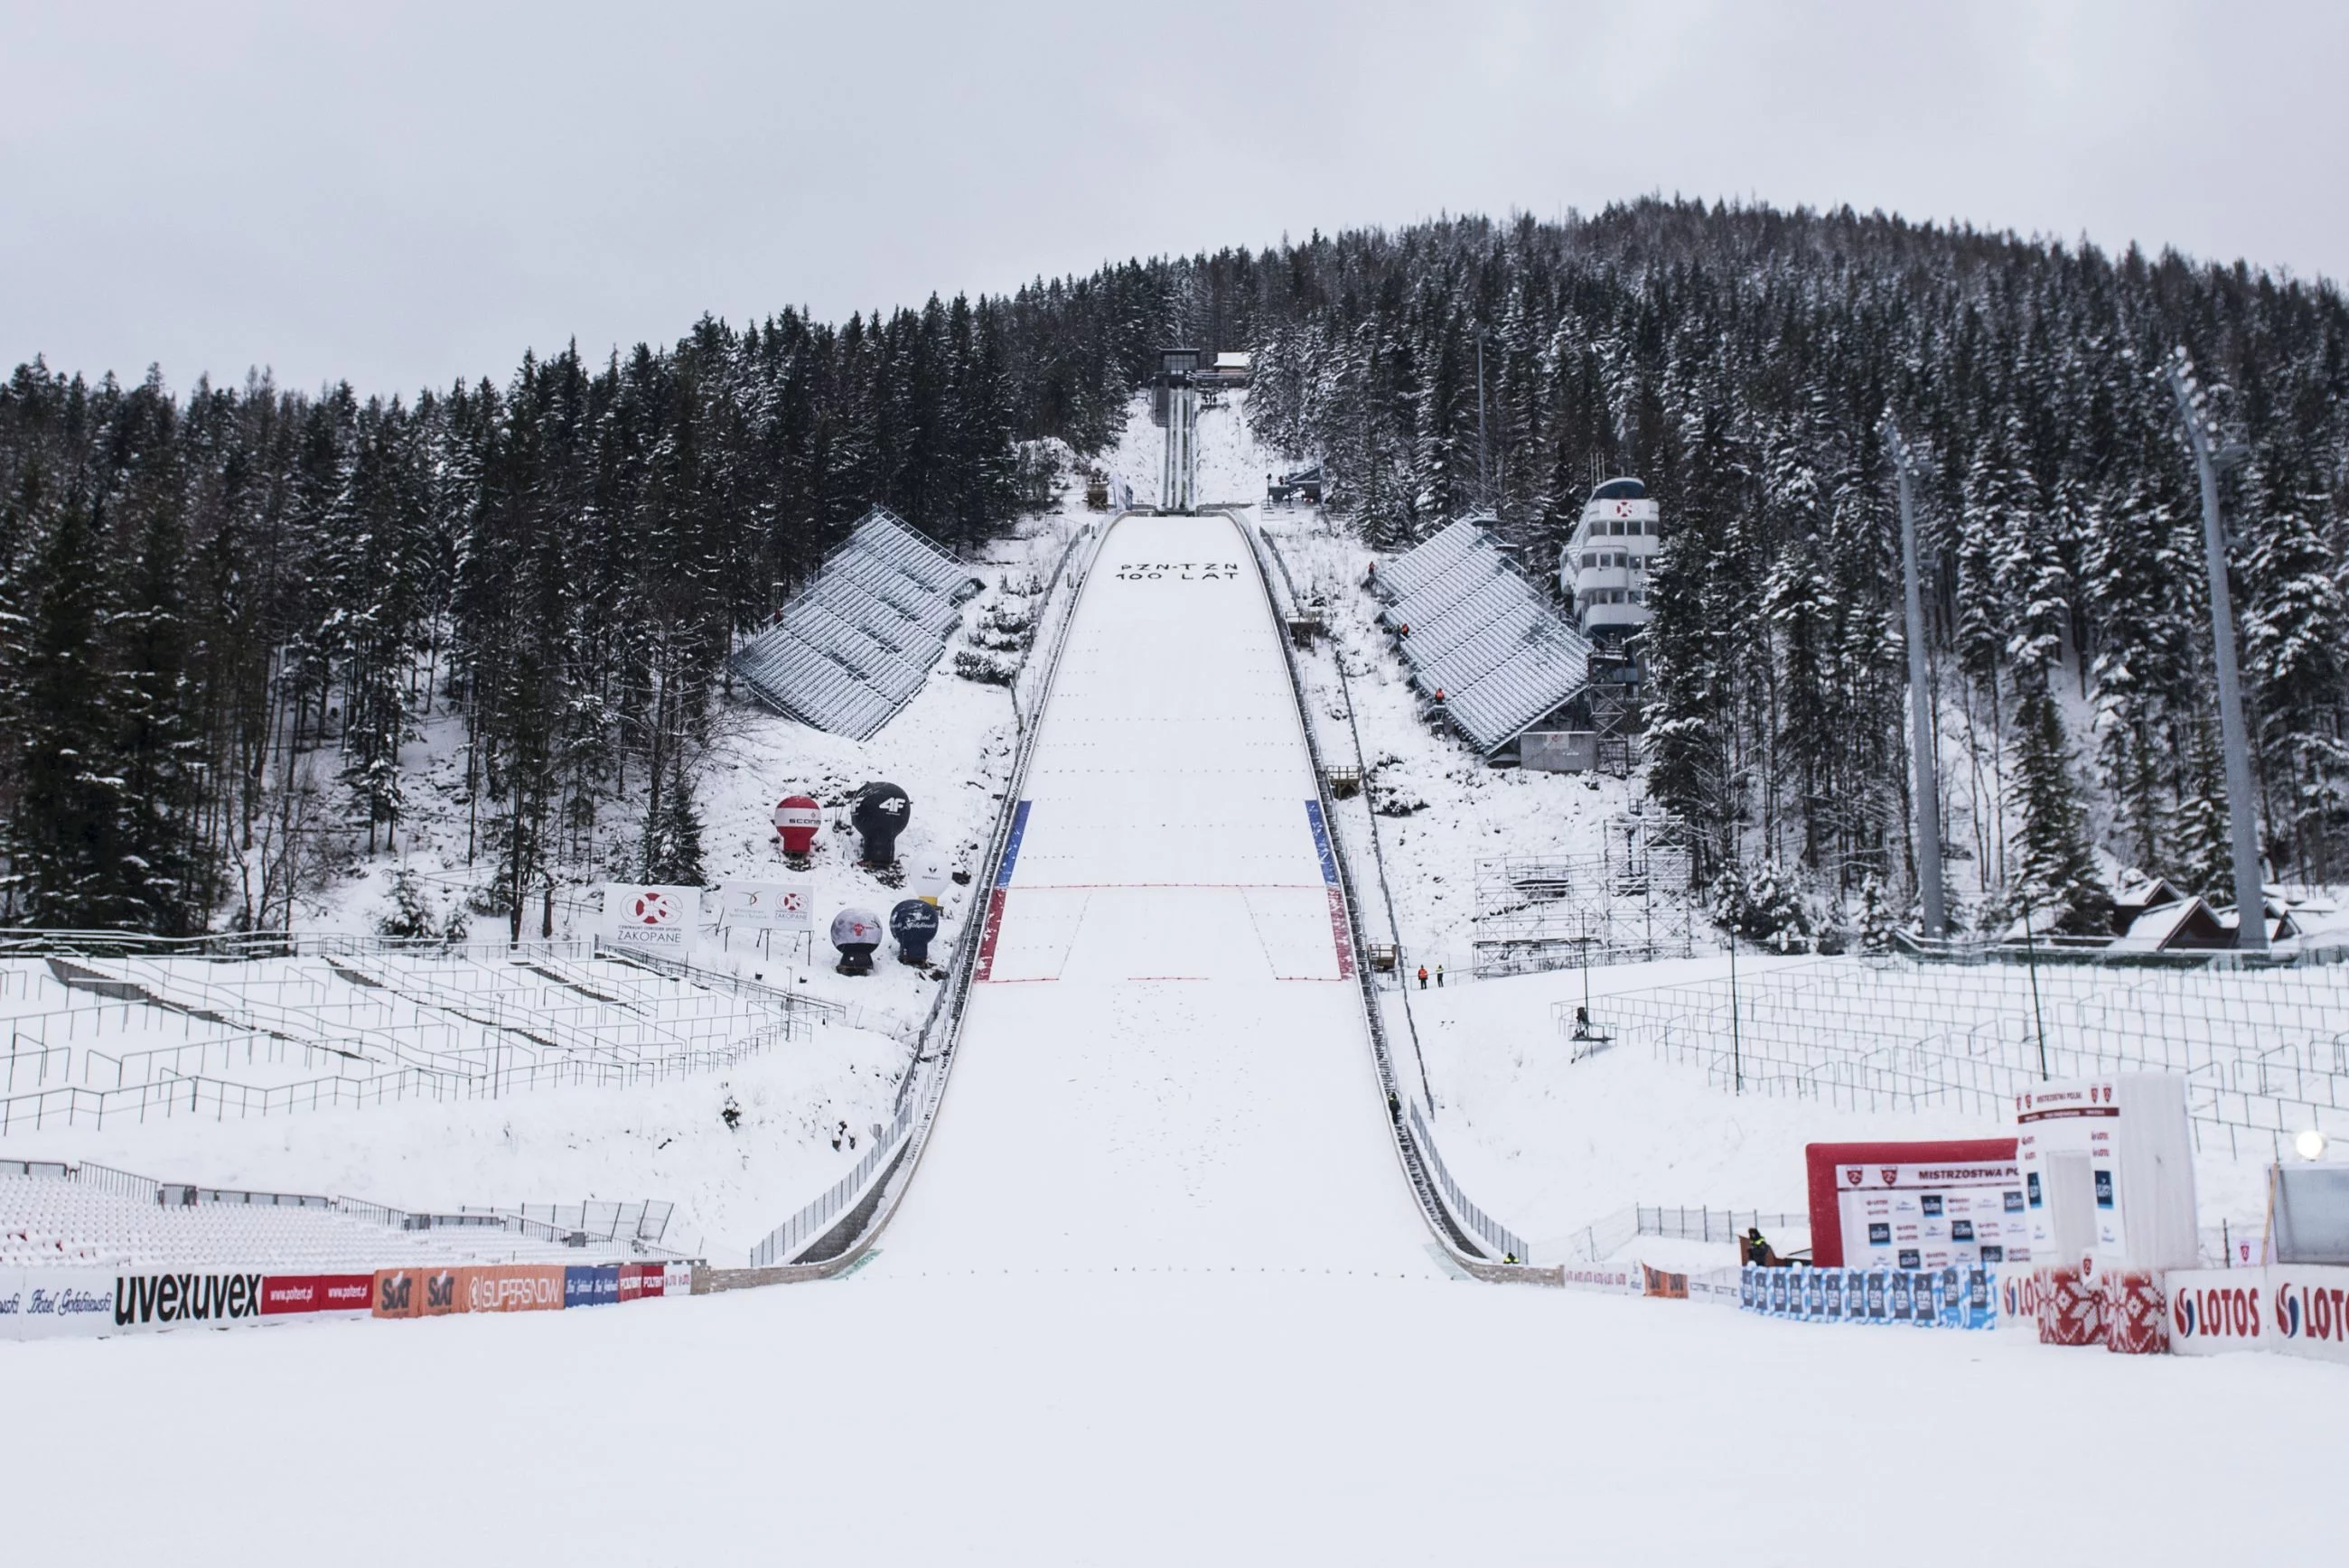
[1630, 904]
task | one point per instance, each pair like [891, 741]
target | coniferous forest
[222, 609]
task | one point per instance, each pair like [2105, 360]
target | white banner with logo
[641, 917]
[786, 906]
[2292, 1309]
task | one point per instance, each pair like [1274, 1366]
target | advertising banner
[784, 905]
[2212, 1310]
[283, 1294]
[676, 1279]
[398, 1293]
[656, 919]
[53, 1304]
[1914, 1299]
[2287, 1309]
[591, 1286]
[171, 1300]
[512, 1287]
[1917, 1205]
[1618, 1278]
[2108, 1172]
[1660, 1283]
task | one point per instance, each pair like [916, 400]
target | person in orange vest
[1423, 976]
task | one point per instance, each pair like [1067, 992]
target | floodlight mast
[2234, 738]
[1920, 706]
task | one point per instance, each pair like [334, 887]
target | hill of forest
[200, 591]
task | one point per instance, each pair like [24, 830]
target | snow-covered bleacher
[1478, 630]
[90, 1216]
[106, 1035]
[855, 646]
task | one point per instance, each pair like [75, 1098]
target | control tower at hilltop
[1603, 571]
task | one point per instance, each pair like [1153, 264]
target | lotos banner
[2291, 1309]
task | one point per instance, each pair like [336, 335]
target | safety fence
[881, 1174]
[1447, 1207]
[1604, 1238]
[394, 1024]
[2265, 1052]
[1505, 1243]
[786, 1241]
[1060, 602]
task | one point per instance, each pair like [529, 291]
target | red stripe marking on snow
[1338, 933]
[989, 933]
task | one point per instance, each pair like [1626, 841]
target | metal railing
[922, 1091]
[1497, 1235]
[1446, 1208]
[1604, 1238]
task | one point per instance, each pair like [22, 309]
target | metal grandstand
[856, 645]
[1477, 629]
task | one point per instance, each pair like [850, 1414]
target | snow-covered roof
[1483, 634]
[857, 644]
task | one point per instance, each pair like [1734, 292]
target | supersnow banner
[649, 918]
[787, 905]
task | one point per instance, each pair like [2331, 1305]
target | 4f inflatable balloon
[879, 814]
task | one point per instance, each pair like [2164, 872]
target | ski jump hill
[1164, 1060]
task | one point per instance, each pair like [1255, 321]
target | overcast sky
[402, 194]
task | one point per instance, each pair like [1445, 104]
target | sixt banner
[1949, 1297]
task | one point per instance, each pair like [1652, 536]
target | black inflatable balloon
[913, 923]
[879, 814]
[856, 932]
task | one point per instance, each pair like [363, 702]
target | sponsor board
[591, 1286]
[1661, 1282]
[676, 1279]
[284, 1294]
[512, 1287]
[52, 1303]
[786, 906]
[1617, 1278]
[2289, 1309]
[1949, 1297]
[644, 918]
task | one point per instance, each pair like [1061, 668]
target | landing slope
[1164, 1063]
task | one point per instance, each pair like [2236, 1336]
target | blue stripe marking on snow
[1011, 844]
[1321, 842]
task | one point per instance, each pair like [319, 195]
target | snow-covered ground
[1159, 1292]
